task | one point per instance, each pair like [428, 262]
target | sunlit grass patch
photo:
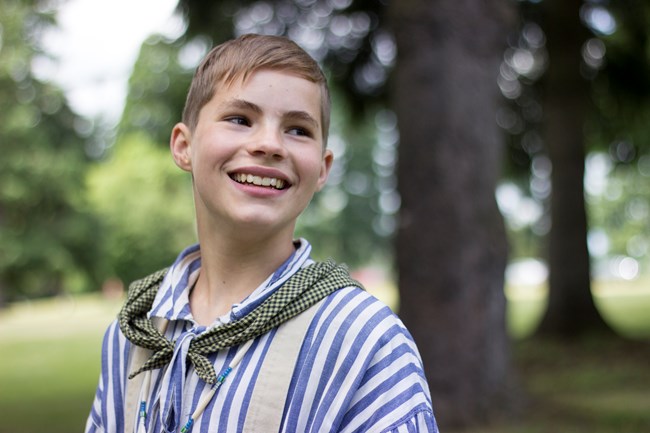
[47, 383]
[49, 365]
[625, 305]
[617, 408]
[525, 308]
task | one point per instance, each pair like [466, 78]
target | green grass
[589, 386]
[625, 306]
[50, 358]
[50, 363]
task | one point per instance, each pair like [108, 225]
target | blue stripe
[178, 290]
[117, 381]
[157, 423]
[155, 311]
[185, 311]
[104, 375]
[283, 267]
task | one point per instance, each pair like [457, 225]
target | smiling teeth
[259, 181]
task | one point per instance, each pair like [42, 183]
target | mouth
[267, 182]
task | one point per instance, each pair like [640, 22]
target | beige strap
[270, 393]
[137, 357]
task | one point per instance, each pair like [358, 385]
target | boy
[244, 332]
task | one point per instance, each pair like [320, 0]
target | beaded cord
[220, 380]
[144, 392]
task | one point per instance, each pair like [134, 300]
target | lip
[262, 172]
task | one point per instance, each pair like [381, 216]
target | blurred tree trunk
[451, 242]
[571, 310]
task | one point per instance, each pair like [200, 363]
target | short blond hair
[237, 59]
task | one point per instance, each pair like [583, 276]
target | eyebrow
[242, 104]
[302, 116]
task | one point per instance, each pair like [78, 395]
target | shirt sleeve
[393, 395]
[106, 413]
[422, 421]
[362, 372]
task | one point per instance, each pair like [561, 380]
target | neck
[232, 267]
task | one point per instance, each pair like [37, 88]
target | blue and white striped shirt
[358, 369]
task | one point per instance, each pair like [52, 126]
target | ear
[180, 145]
[326, 166]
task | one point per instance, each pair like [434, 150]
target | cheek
[208, 153]
[312, 169]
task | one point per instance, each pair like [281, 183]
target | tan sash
[270, 393]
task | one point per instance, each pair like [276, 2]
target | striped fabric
[358, 369]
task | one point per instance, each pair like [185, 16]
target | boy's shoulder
[354, 306]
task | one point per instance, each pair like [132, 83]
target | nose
[268, 141]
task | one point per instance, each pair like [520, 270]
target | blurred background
[491, 184]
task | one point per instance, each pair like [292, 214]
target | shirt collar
[172, 300]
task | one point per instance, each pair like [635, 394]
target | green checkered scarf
[302, 290]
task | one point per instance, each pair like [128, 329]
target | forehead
[273, 89]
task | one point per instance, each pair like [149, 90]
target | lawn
[50, 353]
[50, 363]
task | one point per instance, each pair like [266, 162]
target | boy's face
[256, 155]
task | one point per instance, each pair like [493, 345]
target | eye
[299, 131]
[238, 120]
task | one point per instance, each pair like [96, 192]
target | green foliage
[45, 231]
[616, 64]
[349, 38]
[157, 90]
[622, 86]
[347, 220]
[145, 204]
[143, 200]
[622, 208]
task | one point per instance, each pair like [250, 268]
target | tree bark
[451, 243]
[571, 310]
